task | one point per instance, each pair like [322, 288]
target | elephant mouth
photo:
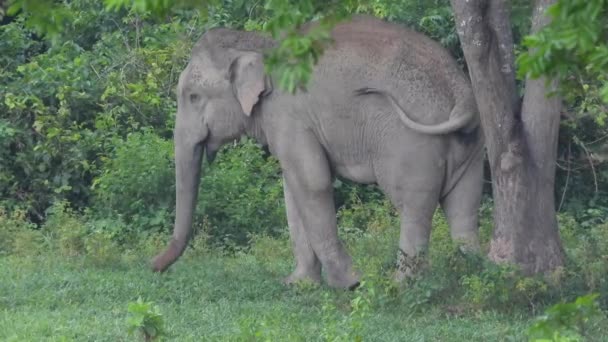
[210, 147]
[210, 154]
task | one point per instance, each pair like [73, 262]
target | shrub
[145, 318]
[268, 250]
[136, 184]
[16, 233]
[66, 228]
[241, 193]
[62, 105]
[501, 286]
[29, 242]
[586, 258]
[151, 244]
[568, 322]
[374, 213]
[100, 249]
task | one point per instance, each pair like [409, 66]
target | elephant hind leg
[308, 266]
[461, 206]
[416, 218]
[417, 204]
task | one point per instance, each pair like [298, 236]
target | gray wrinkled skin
[385, 105]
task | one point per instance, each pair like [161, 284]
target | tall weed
[18, 235]
[66, 228]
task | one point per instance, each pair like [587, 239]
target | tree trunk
[521, 142]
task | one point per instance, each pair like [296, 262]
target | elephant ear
[248, 80]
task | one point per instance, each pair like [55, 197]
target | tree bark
[521, 142]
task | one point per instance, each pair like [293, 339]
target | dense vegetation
[86, 173]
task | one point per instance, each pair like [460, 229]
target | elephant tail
[464, 116]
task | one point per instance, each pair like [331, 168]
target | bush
[587, 258]
[501, 286]
[137, 184]
[358, 213]
[454, 280]
[16, 233]
[241, 193]
[100, 249]
[145, 318]
[66, 229]
[569, 322]
[28, 242]
[63, 105]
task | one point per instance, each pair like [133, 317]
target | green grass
[213, 295]
[209, 297]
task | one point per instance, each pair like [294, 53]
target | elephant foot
[340, 273]
[348, 280]
[468, 244]
[399, 276]
[298, 276]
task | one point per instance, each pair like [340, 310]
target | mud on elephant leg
[308, 266]
[409, 265]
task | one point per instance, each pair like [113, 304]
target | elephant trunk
[187, 178]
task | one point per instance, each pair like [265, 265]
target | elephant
[385, 105]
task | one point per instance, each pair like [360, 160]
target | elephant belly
[358, 173]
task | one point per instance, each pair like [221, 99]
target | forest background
[86, 159]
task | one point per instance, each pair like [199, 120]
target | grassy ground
[211, 297]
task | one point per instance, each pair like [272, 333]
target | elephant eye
[194, 97]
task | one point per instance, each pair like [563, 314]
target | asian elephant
[384, 105]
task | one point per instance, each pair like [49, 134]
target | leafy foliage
[49, 17]
[137, 183]
[64, 107]
[297, 52]
[573, 43]
[13, 226]
[573, 50]
[565, 322]
[145, 318]
[242, 194]
[67, 229]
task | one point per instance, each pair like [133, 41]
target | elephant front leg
[318, 215]
[308, 266]
[308, 177]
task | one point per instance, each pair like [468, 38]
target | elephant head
[217, 94]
